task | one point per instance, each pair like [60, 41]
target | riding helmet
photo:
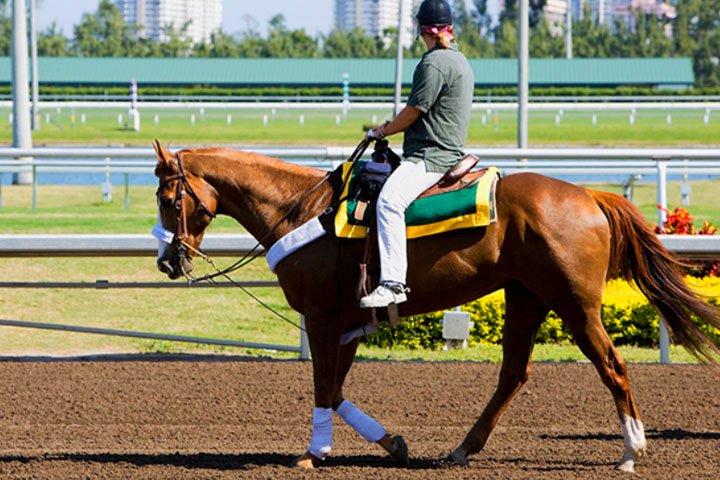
[434, 13]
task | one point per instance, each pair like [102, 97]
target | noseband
[182, 189]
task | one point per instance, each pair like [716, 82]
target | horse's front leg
[324, 337]
[331, 363]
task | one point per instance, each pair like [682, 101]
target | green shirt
[442, 89]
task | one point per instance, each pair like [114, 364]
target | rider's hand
[377, 133]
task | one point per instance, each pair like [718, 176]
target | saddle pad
[468, 207]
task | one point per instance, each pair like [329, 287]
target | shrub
[627, 315]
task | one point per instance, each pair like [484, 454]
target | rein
[255, 252]
[184, 187]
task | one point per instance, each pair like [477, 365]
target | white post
[399, 60]
[22, 134]
[35, 74]
[523, 54]
[662, 202]
[304, 342]
[133, 113]
[346, 92]
[568, 30]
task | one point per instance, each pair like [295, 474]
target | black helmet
[434, 13]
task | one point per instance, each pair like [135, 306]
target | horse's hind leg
[593, 340]
[524, 314]
[366, 426]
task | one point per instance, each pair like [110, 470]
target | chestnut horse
[553, 248]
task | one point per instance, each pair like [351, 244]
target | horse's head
[186, 206]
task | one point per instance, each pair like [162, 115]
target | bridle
[182, 189]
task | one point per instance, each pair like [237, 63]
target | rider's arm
[404, 119]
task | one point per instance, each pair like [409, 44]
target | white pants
[404, 185]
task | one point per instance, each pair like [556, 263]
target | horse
[553, 247]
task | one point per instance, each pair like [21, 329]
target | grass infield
[308, 127]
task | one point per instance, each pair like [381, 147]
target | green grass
[174, 127]
[228, 313]
[214, 313]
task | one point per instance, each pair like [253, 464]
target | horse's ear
[165, 158]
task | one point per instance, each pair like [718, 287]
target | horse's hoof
[399, 450]
[627, 466]
[458, 457]
[305, 461]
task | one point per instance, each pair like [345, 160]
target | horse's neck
[259, 191]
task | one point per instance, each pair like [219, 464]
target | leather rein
[184, 188]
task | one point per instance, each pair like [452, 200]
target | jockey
[435, 122]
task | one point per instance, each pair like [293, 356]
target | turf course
[284, 127]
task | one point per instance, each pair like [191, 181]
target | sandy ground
[219, 417]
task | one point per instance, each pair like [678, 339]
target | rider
[435, 122]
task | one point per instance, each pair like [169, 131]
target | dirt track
[229, 418]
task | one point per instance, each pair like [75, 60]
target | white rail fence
[551, 161]
[131, 246]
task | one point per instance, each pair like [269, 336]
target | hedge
[627, 315]
[355, 91]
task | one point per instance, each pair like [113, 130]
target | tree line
[695, 34]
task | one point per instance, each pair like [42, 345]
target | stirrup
[385, 294]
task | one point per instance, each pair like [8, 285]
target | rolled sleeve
[428, 82]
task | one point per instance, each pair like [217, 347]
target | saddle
[457, 177]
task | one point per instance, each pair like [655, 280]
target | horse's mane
[251, 159]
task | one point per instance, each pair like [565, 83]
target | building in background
[625, 10]
[555, 12]
[376, 16]
[607, 11]
[152, 16]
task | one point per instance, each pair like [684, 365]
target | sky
[316, 16]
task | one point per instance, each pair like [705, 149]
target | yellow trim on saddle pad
[482, 216]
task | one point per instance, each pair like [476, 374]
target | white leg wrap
[635, 443]
[369, 428]
[321, 440]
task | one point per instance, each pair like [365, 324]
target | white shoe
[384, 295]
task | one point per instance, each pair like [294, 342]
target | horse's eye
[166, 201]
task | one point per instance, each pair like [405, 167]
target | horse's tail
[638, 256]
